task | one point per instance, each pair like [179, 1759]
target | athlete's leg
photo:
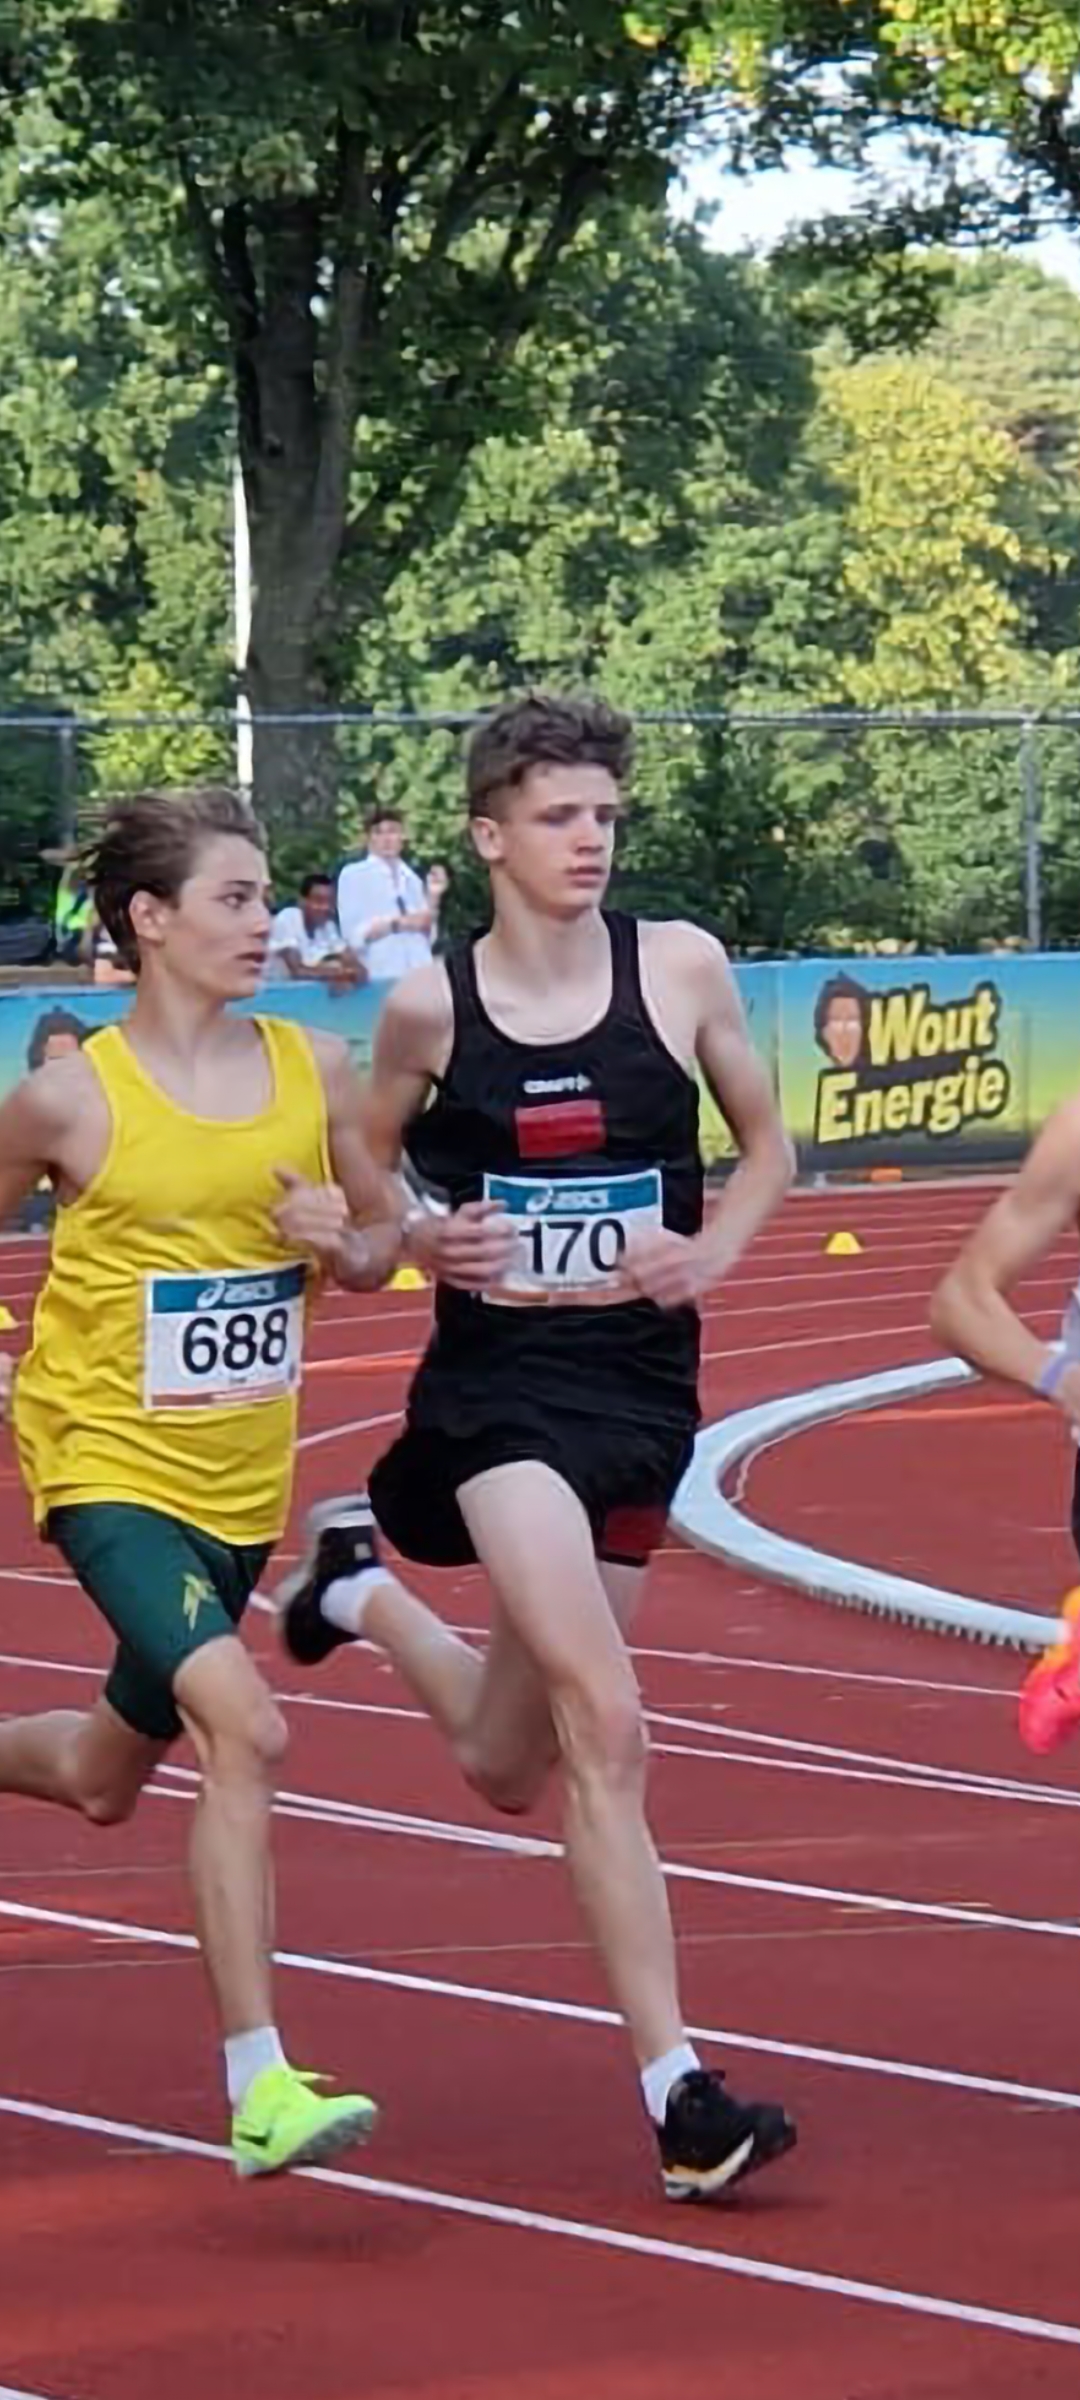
[491, 1704]
[240, 1738]
[511, 1744]
[445, 1673]
[89, 1760]
[239, 1735]
[554, 1682]
[534, 1537]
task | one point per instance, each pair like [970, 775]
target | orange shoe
[1050, 1694]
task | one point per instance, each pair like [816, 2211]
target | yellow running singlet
[168, 1338]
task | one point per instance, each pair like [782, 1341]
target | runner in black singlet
[543, 1082]
[583, 1143]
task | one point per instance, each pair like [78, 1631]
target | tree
[1009, 337]
[113, 526]
[929, 536]
[376, 204]
[620, 546]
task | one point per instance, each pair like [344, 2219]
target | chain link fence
[789, 831]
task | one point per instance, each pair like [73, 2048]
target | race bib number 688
[212, 1339]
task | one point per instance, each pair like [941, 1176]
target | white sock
[343, 1603]
[658, 2078]
[246, 2054]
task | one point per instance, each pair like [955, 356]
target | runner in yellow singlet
[155, 1414]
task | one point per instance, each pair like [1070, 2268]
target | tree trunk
[296, 765]
[296, 524]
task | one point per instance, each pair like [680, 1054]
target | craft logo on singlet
[900, 1061]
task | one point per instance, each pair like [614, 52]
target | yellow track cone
[408, 1279]
[7, 1321]
[843, 1245]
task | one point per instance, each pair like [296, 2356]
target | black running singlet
[581, 1141]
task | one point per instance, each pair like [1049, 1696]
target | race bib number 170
[571, 1237]
[215, 1339]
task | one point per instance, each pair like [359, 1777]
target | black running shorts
[625, 1477]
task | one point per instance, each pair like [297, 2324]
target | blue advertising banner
[878, 1062]
[38, 1023]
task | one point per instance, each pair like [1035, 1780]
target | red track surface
[872, 1870]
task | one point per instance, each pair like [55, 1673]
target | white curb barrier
[707, 1518]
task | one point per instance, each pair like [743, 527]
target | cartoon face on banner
[900, 1061]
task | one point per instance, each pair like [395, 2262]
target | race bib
[571, 1236]
[215, 1339]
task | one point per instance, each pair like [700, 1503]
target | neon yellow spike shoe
[284, 2121]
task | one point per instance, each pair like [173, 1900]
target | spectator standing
[388, 917]
[305, 940]
[73, 914]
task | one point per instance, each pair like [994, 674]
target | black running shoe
[709, 2139]
[339, 1539]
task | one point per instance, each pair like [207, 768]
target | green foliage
[501, 424]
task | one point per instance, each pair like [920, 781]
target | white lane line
[850, 1775]
[346, 1814]
[827, 1339]
[679, 1658]
[335, 1433]
[778, 1666]
[965, 1779]
[440, 1987]
[598, 2237]
[824, 1760]
[830, 1339]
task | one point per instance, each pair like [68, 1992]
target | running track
[877, 1900]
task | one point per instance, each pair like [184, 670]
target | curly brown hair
[150, 843]
[541, 730]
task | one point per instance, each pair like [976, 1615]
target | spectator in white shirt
[387, 915]
[305, 941]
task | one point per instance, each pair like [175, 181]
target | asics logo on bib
[593, 1196]
[237, 1294]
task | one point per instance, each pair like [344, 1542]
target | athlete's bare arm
[970, 1311]
[352, 1225]
[742, 1088]
[694, 997]
[55, 1122]
[471, 1247]
[413, 1037]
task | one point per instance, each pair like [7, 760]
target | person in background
[107, 967]
[306, 943]
[73, 915]
[57, 1034]
[388, 917]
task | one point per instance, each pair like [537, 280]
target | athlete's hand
[471, 1248]
[314, 1216]
[668, 1268]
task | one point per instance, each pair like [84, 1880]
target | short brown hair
[543, 731]
[150, 843]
